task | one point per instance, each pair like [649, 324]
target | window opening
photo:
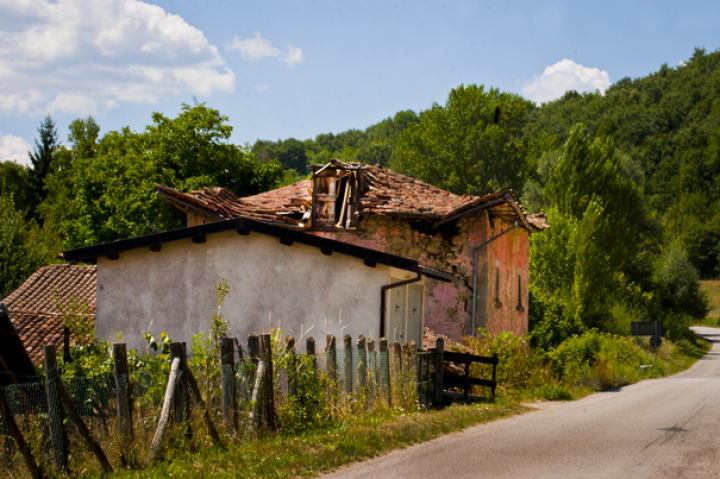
[520, 305]
[497, 287]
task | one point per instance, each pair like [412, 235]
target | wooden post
[267, 392]
[66, 345]
[438, 387]
[122, 386]
[397, 358]
[331, 366]
[362, 363]
[176, 352]
[253, 353]
[254, 348]
[347, 363]
[227, 385]
[255, 410]
[181, 404]
[168, 403]
[58, 433]
[494, 376]
[372, 367]
[310, 351]
[291, 366]
[35, 470]
[384, 370]
[466, 389]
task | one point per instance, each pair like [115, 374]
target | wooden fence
[444, 382]
[359, 367]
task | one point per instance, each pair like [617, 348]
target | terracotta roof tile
[33, 308]
[385, 192]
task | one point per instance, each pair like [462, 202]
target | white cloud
[86, 57]
[255, 49]
[294, 55]
[563, 76]
[14, 148]
[262, 88]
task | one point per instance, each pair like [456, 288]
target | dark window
[520, 304]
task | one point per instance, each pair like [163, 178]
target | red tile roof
[384, 192]
[33, 307]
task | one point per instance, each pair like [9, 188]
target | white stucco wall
[272, 285]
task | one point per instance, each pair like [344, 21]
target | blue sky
[295, 69]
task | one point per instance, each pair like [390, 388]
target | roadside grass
[368, 435]
[578, 367]
[324, 450]
[712, 289]
[581, 365]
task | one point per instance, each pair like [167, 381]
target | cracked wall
[448, 306]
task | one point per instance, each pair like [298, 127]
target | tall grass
[581, 364]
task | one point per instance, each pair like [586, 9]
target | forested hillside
[630, 179]
[666, 126]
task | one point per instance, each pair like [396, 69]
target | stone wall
[448, 306]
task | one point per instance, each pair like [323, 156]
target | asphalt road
[658, 428]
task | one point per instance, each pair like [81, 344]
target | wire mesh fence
[234, 397]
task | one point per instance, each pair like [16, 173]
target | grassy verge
[374, 434]
[580, 365]
[712, 290]
[324, 450]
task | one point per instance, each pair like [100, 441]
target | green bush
[309, 408]
[552, 392]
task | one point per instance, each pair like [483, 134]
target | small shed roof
[33, 307]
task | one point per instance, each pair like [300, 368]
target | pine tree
[41, 158]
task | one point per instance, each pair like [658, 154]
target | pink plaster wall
[448, 306]
[511, 252]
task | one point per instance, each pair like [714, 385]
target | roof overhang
[244, 225]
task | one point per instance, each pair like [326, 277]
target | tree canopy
[104, 190]
[472, 145]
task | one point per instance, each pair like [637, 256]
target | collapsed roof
[377, 191]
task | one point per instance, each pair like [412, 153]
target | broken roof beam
[476, 209]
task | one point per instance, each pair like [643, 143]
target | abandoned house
[36, 308]
[278, 278]
[482, 240]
